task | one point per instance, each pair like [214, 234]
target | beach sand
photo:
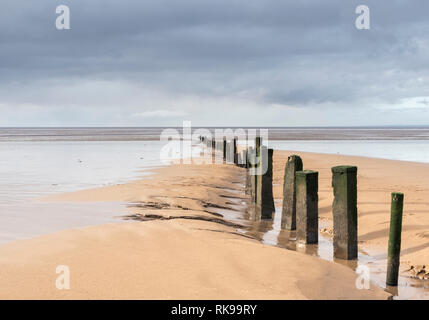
[183, 250]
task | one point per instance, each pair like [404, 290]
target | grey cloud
[293, 53]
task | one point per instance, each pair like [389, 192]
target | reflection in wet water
[269, 232]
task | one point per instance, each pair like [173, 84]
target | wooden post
[235, 151]
[344, 209]
[213, 151]
[243, 162]
[224, 150]
[230, 152]
[394, 251]
[294, 164]
[249, 177]
[257, 166]
[307, 211]
[265, 201]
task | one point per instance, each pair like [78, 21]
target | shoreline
[171, 205]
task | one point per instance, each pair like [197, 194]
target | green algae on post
[307, 211]
[394, 250]
[344, 210]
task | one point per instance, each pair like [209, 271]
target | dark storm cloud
[300, 53]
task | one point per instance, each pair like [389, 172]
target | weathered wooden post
[249, 176]
[394, 250]
[307, 211]
[344, 209]
[243, 162]
[224, 150]
[235, 159]
[257, 166]
[213, 151]
[230, 152]
[293, 164]
[265, 201]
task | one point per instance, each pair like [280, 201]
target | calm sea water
[405, 150]
[32, 168]
[35, 168]
[144, 134]
[40, 161]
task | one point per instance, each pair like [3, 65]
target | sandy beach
[178, 246]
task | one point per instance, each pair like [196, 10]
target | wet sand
[176, 247]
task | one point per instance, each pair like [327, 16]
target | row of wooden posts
[300, 200]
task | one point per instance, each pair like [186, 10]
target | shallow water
[405, 150]
[32, 169]
[27, 220]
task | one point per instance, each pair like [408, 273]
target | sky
[216, 63]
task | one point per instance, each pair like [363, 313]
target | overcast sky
[214, 62]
